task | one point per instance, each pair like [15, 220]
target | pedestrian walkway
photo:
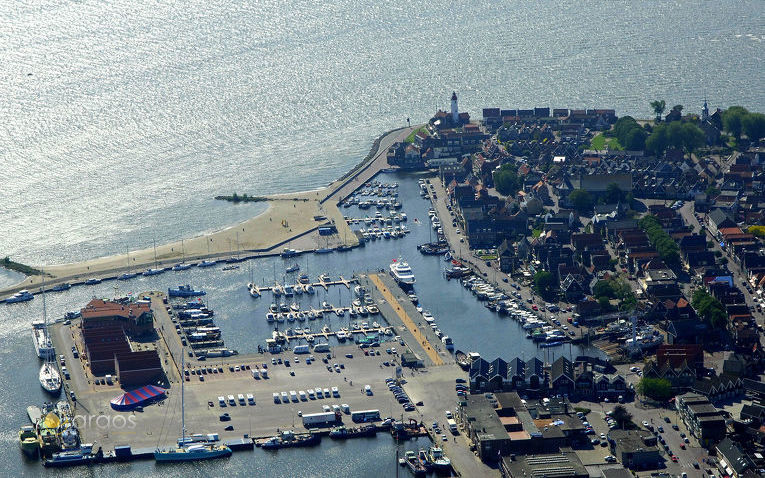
[408, 322]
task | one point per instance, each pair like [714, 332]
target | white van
[250, 399]
[293, 396]
[318, 393]
[276, 398]
[346, 408]
[285, 397]
[221, 401]
[241, 399]
[335, 392]
[311, 395]
[231, 400]
[303, 396]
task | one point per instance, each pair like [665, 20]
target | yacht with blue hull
[185, 291]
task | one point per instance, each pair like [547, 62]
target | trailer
[324, 418]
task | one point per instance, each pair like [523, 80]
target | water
[242, 321]
[136, 115]
[122, 120]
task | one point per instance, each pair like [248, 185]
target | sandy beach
[291, 220]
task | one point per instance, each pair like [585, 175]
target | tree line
[667, 248]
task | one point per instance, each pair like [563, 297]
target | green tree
[582, 200]
[693, 137]
[709, 308]
[657, 142]
[614, 194]
[622, 417]
[753, 125]
[634, 140]
[658, 107]
[712, 191]
[544, 285]
[732, 120]
[655, 388]
[507, 181]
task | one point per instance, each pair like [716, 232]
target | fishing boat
[207, 263]
[20, 296]
[402, 274]
[127, 276]
[185, 291]
[414, 465]
[287, 252]
[83, 456]
[289, 439]
[190, 451]
[28, 441]
[61, 287]
[438, 461]
[342, 432]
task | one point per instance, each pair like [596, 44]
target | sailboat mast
[183, 409]
[155, 253]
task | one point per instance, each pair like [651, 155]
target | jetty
[292, 218]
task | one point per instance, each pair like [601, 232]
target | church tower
[455, 111]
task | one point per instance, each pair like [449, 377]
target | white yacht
[43, 345]
[402, 273]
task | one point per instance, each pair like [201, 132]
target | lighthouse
[455, 111]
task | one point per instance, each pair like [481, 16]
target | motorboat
[438, 460]
[207, 263]
[21, 296]
[152, 272]
[127, 276]
[293, 268]
[309, 289]
[402, 273]
[28, 441]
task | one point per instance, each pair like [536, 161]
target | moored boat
[28, 441]
[184, 291]
[20, 296]
[402, 273]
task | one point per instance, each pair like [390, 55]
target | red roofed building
[676, 355]
[135, 319]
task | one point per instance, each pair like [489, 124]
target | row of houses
[532, 378]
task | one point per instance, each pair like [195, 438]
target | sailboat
[182, 266]
[156, 270]
[50, 379]
[127, 275]
[190, 451]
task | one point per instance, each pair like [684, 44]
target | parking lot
[672, 436]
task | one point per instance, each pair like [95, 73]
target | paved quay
[289, 221]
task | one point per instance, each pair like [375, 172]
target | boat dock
[325, 284]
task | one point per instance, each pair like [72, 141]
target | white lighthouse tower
[455, 111]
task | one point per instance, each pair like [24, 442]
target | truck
[452, 425]
[323, 418]
[301, 349]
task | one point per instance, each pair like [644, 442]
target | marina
[422, 321]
